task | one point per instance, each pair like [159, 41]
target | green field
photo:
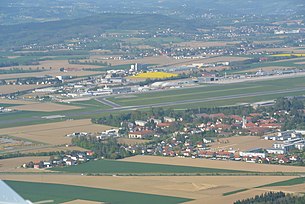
[290, 182]
[64, 193]
[86, 106]
[206, 92]
[114, 166]
[234, 192]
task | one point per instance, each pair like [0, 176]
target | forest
[273, 197]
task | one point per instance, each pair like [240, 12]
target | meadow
[64, 193]
[114, 166]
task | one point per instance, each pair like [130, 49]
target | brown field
[286, 50]
[50, 73]
[267, 69]
[195, 44]
[131, 141]
[45, 107]
[243, 166]
[13, 164]
[6, 89]
[53, 149]
[7, 101]
[300, 62]
[266, 41]
[300, 188]
[54, 64]
[241, 143]
[204, 189]
[54, 133]
[291, 60]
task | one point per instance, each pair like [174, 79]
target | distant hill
[23, 11]
[58, 31]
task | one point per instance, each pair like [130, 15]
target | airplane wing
[9, 196]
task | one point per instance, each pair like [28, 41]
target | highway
[118, 108]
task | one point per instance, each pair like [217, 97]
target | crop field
[241, 143]
[54, 133]
[64, 193]
[45, 107]
[18, 118]
[155, 75]
[291, 182]
[285, 64]
[206, 92]
[14, 102]
[128, 141]
[112, 166]
[216, 164]
[13, 164]
[7, 89]
[195, 44]
[282, 49]
[289, 55]
[196, 189]
[266, 69]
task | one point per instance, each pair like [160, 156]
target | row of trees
[109, 148]
[273, 197]
[89, 62]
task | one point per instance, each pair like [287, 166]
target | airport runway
[164, 104]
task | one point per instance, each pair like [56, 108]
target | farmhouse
[140, 123]
[169, 119]
[140, 134]
[164, 125]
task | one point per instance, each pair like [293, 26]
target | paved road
[107, 102]
[182, 102]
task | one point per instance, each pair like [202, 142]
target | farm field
[62, 193]
[266, 69]
[55, 65]
[123, 166]
[200, 189]
[15, 102]
[285, 50]
[289, 55]
[210, 91]
[203, 163]
[168, 61]
[241, 143]
[155, 75]
[195, 44]
[13, 164]
[128, 141]
[54, 133]
[52, 73]
[6, 89]
[45, 107]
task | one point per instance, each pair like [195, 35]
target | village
[182, 143]
[199, 136]
[67, 159]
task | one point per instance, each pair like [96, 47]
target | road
[182, 102]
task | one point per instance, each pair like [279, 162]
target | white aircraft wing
[9, 196]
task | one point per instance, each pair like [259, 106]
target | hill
[58, 31]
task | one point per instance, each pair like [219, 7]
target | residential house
[140, 134]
